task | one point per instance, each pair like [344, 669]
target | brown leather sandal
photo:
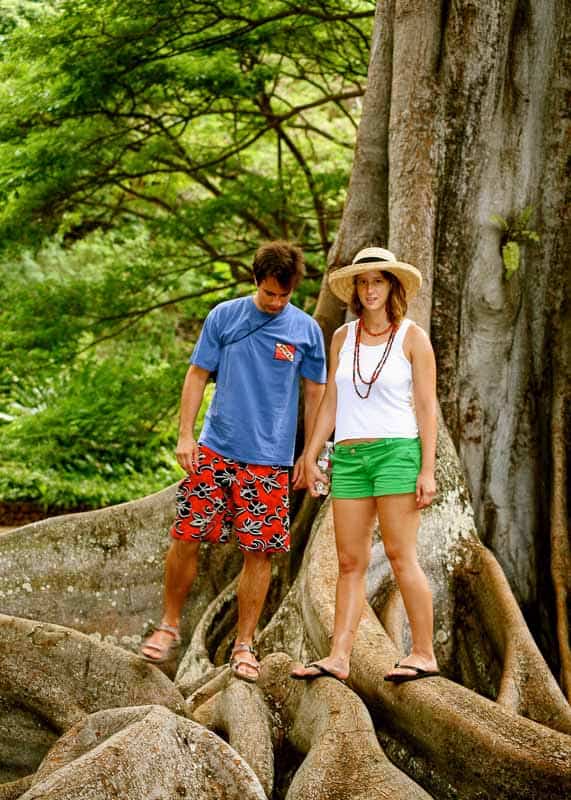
[164, 651]
[236, 662]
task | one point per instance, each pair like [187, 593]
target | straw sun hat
[341, 281]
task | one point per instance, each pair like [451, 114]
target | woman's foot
[412, 668]
[325, 667]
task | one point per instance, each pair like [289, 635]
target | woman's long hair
[396, 305]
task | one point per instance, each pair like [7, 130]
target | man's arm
[312, 396]
[190, 401]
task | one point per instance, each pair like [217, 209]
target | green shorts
[373, 469]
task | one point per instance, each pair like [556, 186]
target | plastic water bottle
[324, 464]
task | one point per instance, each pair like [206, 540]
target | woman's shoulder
[415, 336]
[340, 337]
[341, 333]
[412, 328]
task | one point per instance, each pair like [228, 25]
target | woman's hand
[314, 475]
[425, 489]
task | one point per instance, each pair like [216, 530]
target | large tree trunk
[462, 119]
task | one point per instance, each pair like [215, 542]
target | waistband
[377, 443]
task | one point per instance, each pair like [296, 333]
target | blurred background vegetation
[147, 147]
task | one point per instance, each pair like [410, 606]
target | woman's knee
[350, 564]
[401, 560]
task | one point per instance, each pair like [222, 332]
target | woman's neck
[375, 321]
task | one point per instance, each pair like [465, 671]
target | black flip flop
[323, 673]
[418, 674]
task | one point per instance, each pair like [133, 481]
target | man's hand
[313, 476]
[187, 453]
[425, 489]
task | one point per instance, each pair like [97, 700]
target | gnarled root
[62, 675]
[140, 752]
[329, 723]
[435, 718]
[238, 710]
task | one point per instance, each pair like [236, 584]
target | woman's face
[373, 289]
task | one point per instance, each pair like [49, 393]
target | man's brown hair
[280, 260]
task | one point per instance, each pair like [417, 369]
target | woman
[381, 400]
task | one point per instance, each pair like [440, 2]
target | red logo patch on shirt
[284, 352]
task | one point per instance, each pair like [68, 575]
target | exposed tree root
[239, 711]
[102, 571]
[329, 723]
[526, 686]
[560, 546]
[63, 675]
[196, 661]
[495, 750]
[449, 738]
[142, 752]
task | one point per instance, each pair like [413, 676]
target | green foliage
[148, 108]
[514, 230]
[146, 148]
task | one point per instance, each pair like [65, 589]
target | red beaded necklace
[382, 361]
[374, 333]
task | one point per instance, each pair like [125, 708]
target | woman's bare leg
[354, 520]
[399, 520]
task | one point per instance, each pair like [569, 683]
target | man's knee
[184, 550]
[256, 560]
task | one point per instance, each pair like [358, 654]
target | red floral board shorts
[223, 494]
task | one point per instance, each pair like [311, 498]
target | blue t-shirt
[253, 413]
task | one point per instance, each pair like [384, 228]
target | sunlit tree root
[51, 677]
[239, 711]
[103, 571]
[142, 752]
[329, 723]
[97, 571]
[494, 749]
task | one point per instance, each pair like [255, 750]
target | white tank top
[388, 411]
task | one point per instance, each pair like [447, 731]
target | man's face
[271, 296]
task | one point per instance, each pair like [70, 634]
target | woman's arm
[424, 390]
[312, 396]
[325, 421]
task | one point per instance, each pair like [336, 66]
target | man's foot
[412, 668]
[326, 667]
[243, 662]
[161, 645]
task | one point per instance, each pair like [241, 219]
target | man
[260, 347]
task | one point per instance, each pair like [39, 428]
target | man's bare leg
[253, 588]
[181, 566]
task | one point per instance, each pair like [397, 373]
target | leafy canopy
[146, 148]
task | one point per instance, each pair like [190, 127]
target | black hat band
[369, 260]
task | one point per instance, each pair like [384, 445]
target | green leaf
[499, 221]
[524, 216]
[511, 258]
